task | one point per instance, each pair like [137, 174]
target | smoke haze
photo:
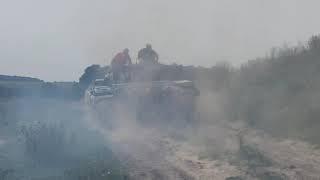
[39, 37]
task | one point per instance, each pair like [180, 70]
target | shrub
[45, 142]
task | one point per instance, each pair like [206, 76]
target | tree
[314, 43]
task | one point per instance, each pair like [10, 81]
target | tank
[143, 97]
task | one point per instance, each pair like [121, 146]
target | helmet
[126, 50]
[149, 46]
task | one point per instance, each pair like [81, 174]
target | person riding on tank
[120, 63]
[148, 55]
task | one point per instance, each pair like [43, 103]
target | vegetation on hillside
[279, 93]
[50, 139]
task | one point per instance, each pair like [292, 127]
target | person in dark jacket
[148, 55]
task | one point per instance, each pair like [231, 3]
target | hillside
[279, 93]
[18, 78]
[17, 86]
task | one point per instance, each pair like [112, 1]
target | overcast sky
[56, 39]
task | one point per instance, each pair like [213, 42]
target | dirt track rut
[150, 155]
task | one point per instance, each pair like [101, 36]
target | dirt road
[157, 155]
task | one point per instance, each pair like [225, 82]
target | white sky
[56, 39]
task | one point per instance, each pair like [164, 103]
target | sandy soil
[151, 154]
